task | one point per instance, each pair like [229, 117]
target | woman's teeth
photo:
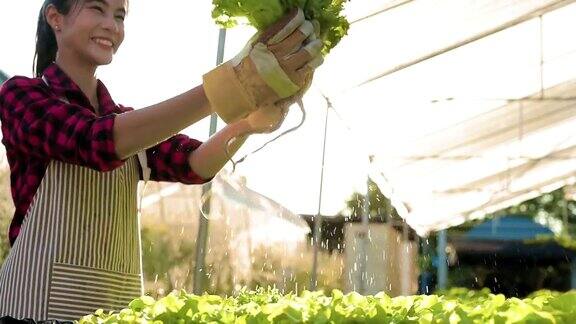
[104, 42]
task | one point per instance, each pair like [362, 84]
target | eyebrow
[104, 3]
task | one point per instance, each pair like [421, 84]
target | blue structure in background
[506, 240]
[508, 228]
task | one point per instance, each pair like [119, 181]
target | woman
[76, 156]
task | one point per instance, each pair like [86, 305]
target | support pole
[202, 238]
[442, 260]
[317, 234]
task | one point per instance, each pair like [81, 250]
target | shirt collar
[64, 86]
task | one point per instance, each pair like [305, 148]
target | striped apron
[79, 245]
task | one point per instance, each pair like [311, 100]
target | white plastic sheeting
[468, 106]
[232, 202]
[413, 31]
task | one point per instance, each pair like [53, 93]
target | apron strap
[141, 155]
[144, 164]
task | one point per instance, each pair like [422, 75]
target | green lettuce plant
[270, 306]
[261, 14]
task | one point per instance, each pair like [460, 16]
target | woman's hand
[274, 65]
[270, 117]
[266, 119]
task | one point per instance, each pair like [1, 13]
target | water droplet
[205, 210]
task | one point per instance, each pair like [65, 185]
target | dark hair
[46, 46]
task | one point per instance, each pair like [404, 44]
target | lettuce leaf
[263, 13]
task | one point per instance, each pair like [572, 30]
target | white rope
[235, 163]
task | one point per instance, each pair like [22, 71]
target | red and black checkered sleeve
[169, 160]
[39, 125]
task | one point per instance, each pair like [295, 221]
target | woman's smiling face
[92, 32]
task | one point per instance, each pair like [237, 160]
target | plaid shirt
[39, 126]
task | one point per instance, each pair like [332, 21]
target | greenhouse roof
[467, 106]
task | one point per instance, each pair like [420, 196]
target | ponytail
[46, 46]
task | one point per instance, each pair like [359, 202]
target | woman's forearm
[211, 156]
[137, 130]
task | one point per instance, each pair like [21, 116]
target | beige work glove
[275, 66]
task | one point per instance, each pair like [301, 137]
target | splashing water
[205, 203]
